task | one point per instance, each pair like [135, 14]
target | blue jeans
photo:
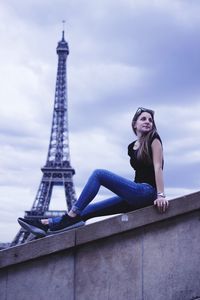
[129, 196]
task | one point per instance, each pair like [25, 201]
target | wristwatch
[161, 195]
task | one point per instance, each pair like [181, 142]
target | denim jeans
[128, 195]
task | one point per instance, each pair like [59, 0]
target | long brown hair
[143, 151]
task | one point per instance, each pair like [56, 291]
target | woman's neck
[138, 134]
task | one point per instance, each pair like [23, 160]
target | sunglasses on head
[142, 109]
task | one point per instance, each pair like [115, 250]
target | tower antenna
[63, 22]
[63, 31]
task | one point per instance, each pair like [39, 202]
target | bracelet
[161, 195]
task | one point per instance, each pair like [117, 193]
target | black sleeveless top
[144, 172]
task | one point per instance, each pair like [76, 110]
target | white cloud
[100, 79]
[178, 192]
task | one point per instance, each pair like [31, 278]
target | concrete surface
[151, 256]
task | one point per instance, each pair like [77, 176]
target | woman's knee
[98, 172]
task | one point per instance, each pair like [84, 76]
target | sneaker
[34, 226]
[66, 222]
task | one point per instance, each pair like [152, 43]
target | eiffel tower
[57, 170]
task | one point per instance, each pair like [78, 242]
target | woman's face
[144, 123]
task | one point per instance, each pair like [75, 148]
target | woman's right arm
[161, 202]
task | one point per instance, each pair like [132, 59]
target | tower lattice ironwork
[57, 170]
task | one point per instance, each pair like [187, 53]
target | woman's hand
[162, 204]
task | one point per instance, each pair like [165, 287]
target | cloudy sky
[123, 54]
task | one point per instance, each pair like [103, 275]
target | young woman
[146, 157]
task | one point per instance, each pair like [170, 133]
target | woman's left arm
[161, 202]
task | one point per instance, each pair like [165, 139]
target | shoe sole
[79, 224]
[34, 230]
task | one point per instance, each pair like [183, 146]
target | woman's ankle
[72, 214]
[45, 221]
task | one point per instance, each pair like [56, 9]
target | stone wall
[151, 256]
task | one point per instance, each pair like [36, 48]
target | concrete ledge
[98, 230]
[37, 248]
[150, 256]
